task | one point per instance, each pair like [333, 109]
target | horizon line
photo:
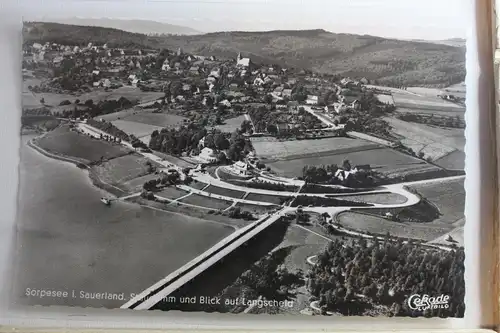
[196, 32]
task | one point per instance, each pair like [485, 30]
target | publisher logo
[426, 302]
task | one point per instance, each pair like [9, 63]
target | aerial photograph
[258, 157]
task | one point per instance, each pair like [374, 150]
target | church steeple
[179, 51]
[239, 56]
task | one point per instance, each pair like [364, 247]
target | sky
[403, 19]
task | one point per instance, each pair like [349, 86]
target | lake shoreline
[80, 163]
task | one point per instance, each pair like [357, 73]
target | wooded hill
[388, 61]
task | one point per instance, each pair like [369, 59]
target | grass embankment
[111, 166]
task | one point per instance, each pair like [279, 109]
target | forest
[359, 277]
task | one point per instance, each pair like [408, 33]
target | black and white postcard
[259, 157]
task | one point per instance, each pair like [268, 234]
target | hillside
[389, 61]
[135, 26]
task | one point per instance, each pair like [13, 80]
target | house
[165, 66]
[106, 83]
[212, 58]
[293, 107]
[177, 65]
[364, 81]
[278, 91]
[41, 56]
[186, 87]
[330, 109]
[207, 155]
[356, 105]
[95, 72]
[241, 168]
[225, 103]
[37, 46]
[282, 127]
[132, 77]
[135, 83]
[339, 107]
[287, 93]
[233, 86]
[194, 70]
[57, 60]
[242, 62]
[258, 81]
[312, 99]
[215, 72]
[343, 175]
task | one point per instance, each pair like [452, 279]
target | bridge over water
[165, 287]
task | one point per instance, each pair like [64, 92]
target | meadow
[286, 149]
[384, 160]
[202, 201]
[138, 129]
[435, 142]
[73, 144]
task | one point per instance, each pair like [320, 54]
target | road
[325, 120]
[187, 272]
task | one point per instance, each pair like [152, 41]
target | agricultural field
[225, 191]
[136, 184]
[196, 184]
[72, 144]
[255, 209]
[32, 100]
[138, 129]
[175, 160]
[424, 102]
[130, 93]
[232, 124]
[297, 148]
[437, 112]
[453, 161]
[171, 192]
[274, 199]
[377, 198]
[435, 142]
[123, 169]
[384, 160]
[365, 223]
[456, 234]
[386, 99]
[146, 117]
[448, 196]
[202, 201]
